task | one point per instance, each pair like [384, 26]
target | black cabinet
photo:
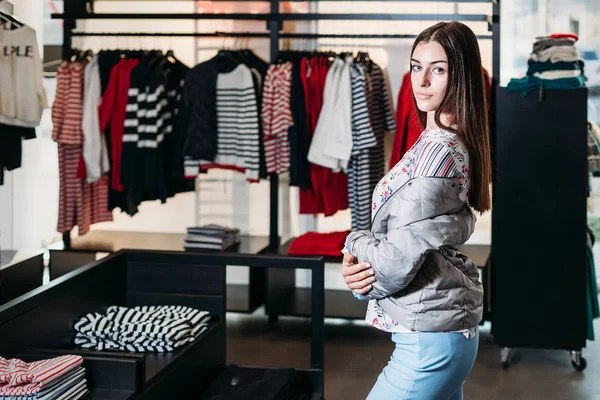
[539, 220]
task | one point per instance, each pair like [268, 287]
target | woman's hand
[358, 277]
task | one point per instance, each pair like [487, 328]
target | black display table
[39, 324]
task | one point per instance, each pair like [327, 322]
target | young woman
[419, 287]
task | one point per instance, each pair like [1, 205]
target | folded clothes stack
[554, 63]
[211, 237]
[319, 244]
[60, 378]
[141, 329]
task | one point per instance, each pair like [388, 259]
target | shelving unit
[84, 250]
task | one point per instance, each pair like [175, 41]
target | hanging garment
[298, 131]
[237, 120]
[363, 138]
[329, 189]
[10, 149]
[382, 120]
[141, 328]
[113, 111]
[95, 151]
[175, 123]
[80, 203]
[331, 145]
[142, 158]
[593, 153]
[22, 94]
[72, 196]
[277, 117]
[200, 93]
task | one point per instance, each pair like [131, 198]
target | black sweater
[200, 95]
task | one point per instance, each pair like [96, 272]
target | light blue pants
[426, 366]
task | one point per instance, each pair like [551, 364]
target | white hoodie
[22, 96]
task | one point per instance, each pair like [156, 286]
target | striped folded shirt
[63, 388]
[141, 329]
[18, 378]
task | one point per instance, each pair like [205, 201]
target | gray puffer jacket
[422, 281]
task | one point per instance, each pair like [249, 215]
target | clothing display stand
[282, 283]
[136, 278]
[539, 222]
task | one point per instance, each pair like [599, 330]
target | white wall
[27, 200]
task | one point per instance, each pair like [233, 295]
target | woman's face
[429, 75]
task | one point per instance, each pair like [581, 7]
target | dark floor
[355, 354]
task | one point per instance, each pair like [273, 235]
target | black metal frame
[133, 277]
[256, 35]
[75, 10]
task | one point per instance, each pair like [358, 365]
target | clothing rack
[75, 10]
[283, 298]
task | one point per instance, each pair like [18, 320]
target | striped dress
[363, 138]
[80, 203]
[369, 163]
[277, 117]
[437, 153]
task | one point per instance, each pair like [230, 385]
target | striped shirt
[144, 128]
[437, 153]
[67, 109]
[141, 329]
[277, 117]
[71, 387]
[363, 138]
[238, 133]
[18, 378]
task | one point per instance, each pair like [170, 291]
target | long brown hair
[465, 102]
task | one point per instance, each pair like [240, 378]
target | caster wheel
[581, 366]
[505, 357]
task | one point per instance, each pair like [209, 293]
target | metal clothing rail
[258, 35]
[80, 10]
[281, 16]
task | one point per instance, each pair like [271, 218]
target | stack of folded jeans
[141, 329]
[211, 237]
[554, 63]
[60, 378]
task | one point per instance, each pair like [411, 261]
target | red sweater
[113, 110]
[321, 244]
